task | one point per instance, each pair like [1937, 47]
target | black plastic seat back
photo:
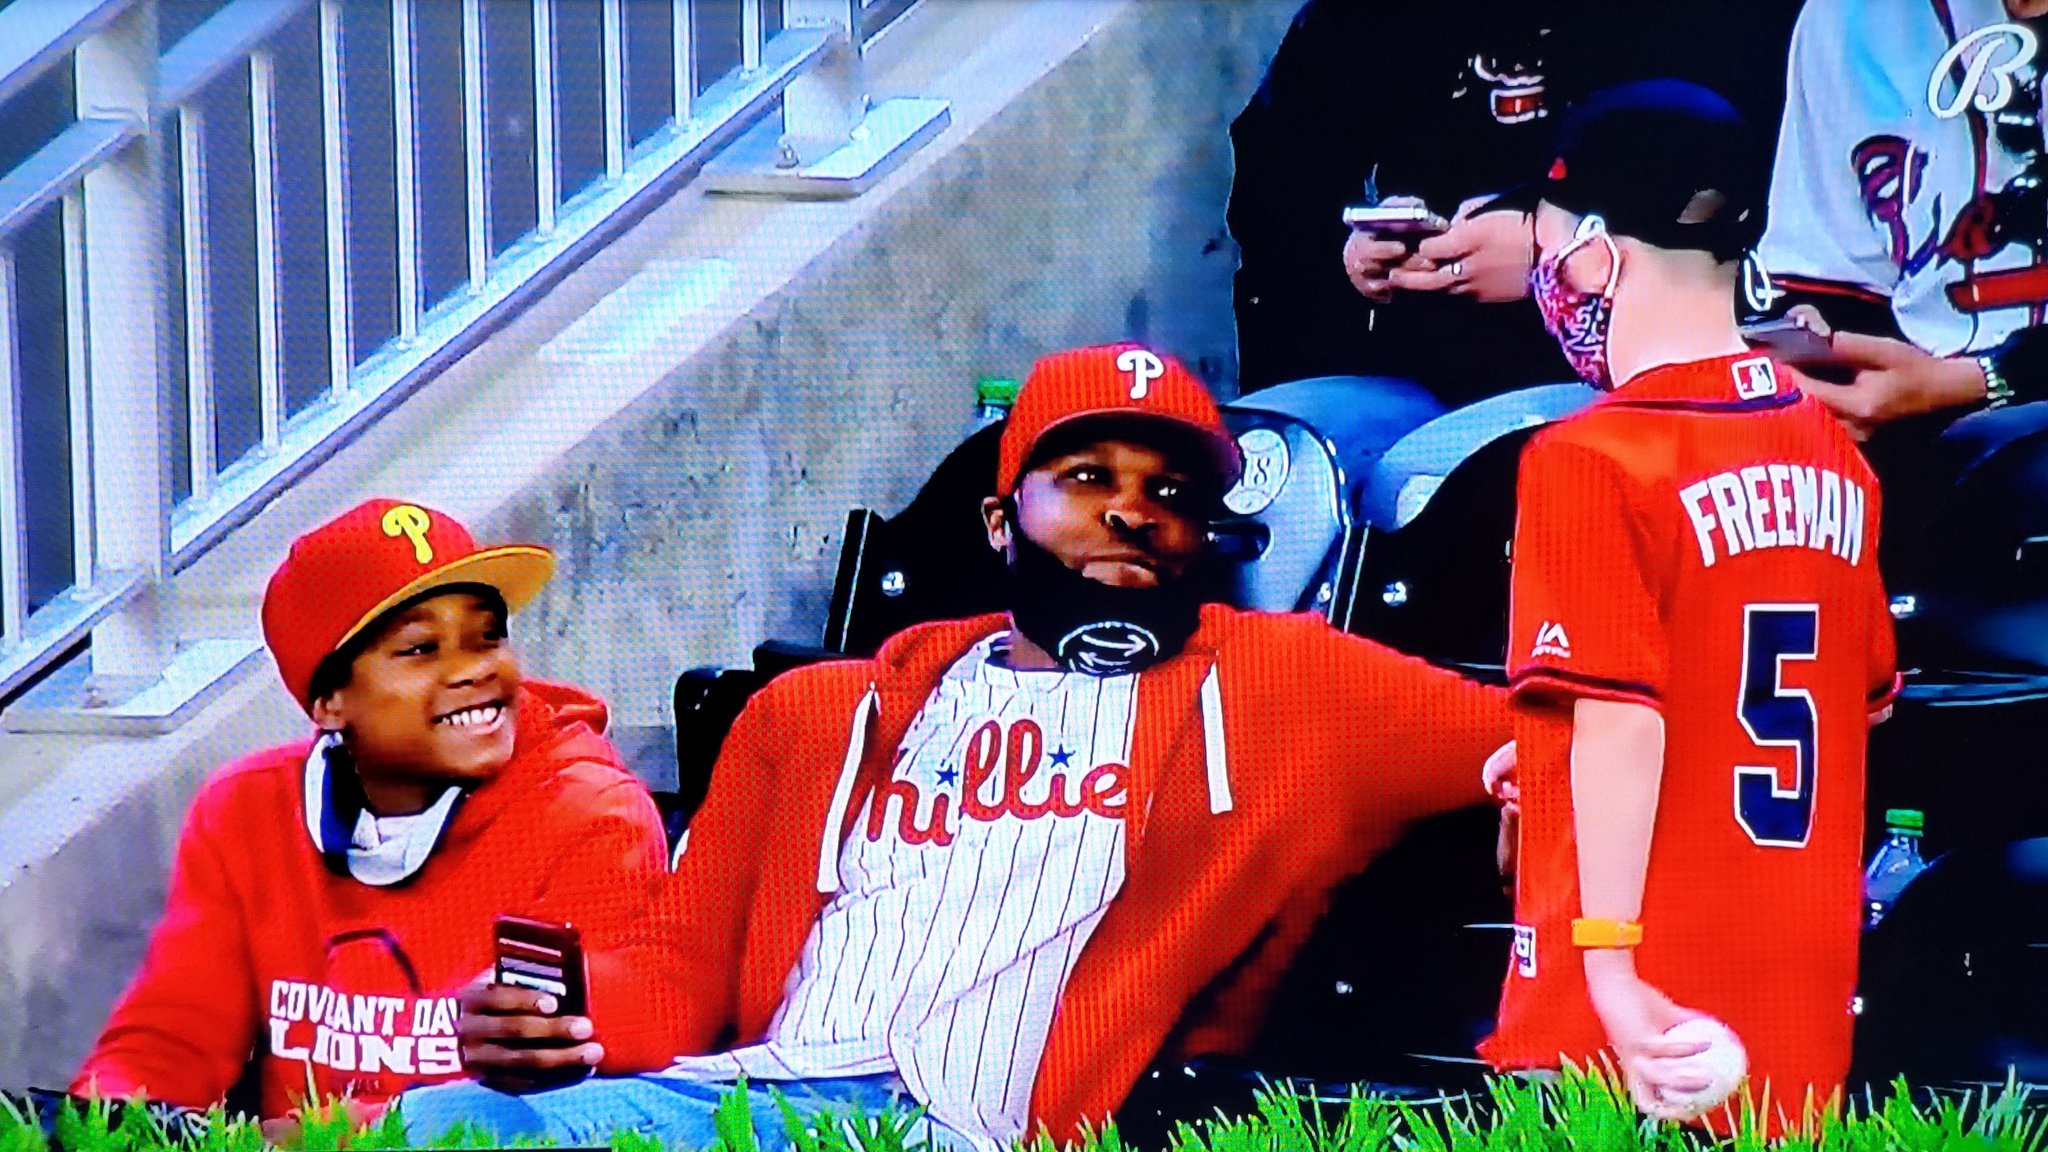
[1952, 978]
[929, 562]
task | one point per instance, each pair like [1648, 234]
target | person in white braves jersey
[1907, 200]
[1050, 844]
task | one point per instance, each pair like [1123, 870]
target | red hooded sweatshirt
[1271, 759]
[266, 949]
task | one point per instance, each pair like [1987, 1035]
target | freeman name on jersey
[1776, 506]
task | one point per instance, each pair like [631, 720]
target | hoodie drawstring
[1216, 758]
[842, 793]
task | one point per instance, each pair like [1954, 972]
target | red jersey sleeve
[185, 1027]
[1583, 617]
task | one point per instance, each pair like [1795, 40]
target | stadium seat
[1966, 562]
[930, 562]
[1442, 504]
[1952, 978]
[1293, 532]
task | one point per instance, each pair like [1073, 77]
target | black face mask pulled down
[1098, 628]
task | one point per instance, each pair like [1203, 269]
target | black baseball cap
[1667, 162]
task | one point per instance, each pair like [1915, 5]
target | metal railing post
[475, 146]
[123, 279]
[545, 175]
[612, 17]
[199, 422]
[682, 44]
[405, 147]
[13, 481]
[334, 144]
[270, 399]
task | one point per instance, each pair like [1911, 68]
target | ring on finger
[1457, 268]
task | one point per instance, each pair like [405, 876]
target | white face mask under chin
[377, 851]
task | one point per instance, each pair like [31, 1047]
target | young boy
[331, 897]
[1698, 640]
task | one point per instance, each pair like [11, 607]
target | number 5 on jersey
[1777, 717]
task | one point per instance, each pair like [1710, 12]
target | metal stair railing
[196, 389]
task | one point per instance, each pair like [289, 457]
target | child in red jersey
[1698, 641]
[331, 897]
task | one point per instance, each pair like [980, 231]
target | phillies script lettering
[352, 1032]
[999, 779]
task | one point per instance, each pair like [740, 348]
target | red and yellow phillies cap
[340, 577]
[1123, 380]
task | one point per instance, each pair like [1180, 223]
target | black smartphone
[1395, 219]
[1790, 342]
[546, 958]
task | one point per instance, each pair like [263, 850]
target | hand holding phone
[1395, 219]
[546, 958]
[529, 1028]
[1384, 233]
[1790, 341]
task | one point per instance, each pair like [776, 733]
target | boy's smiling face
[430, 701]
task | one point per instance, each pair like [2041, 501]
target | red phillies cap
[1111, 380]
[343, 575]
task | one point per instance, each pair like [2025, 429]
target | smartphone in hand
[1402, 220]
[546, 958]
[1791, 342]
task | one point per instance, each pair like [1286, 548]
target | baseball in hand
[1724, 1062]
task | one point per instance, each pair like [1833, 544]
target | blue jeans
[675, 1110]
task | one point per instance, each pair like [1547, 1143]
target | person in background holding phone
[333, 897]
[1447, 105]
[1909, 213]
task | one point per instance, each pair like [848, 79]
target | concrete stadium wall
[707, 517]
[687, 421]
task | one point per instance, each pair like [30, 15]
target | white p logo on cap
[1144, 368]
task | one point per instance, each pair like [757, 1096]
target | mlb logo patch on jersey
[1755, 378]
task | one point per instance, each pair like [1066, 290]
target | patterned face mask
[1579, 320]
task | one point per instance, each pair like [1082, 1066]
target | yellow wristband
[1606, 933]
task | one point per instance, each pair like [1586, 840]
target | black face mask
[1098, 628]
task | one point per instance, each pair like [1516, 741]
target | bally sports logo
[999, 779]
[1996, 52]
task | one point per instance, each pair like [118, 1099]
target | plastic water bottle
[993, 396]
[1894, 864]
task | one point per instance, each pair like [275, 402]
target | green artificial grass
[1581, 1112]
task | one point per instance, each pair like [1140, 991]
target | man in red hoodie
[331, 897]
[1001, 865]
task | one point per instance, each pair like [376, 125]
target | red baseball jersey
[1703, 541]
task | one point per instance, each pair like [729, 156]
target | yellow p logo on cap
[411, 522]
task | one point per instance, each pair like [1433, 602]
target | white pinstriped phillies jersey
[967, 889]
[1887, 158]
